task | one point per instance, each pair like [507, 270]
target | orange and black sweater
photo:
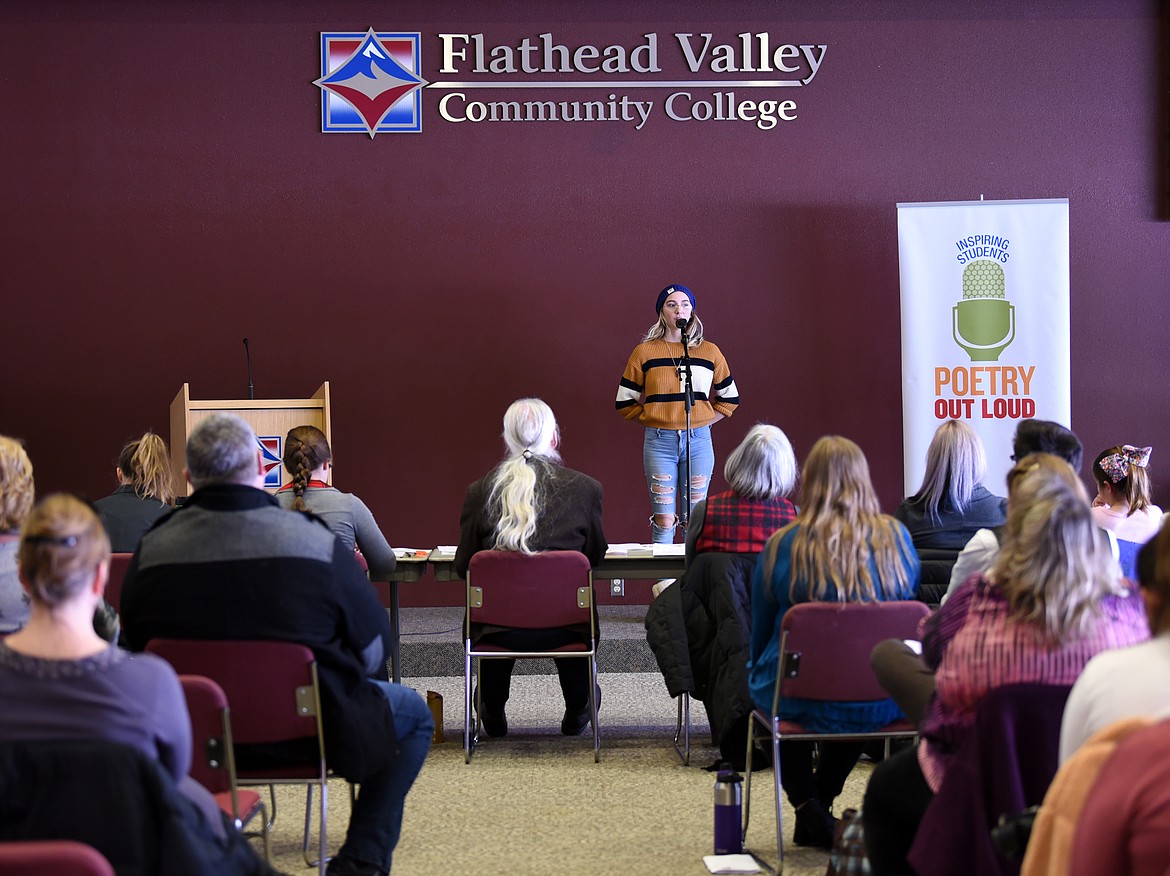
[651, 390]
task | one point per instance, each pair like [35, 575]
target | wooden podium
[271, 418]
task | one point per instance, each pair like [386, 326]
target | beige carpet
[534, 802]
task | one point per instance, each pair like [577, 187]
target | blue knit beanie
[665, 293]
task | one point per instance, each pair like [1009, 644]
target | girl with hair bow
[1122, 504]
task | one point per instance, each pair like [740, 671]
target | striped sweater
[651, 390]
[974, 644]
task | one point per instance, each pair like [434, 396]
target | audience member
[145, 492]
[952, 504]
[16, 499]
[531, 503]
[308, 459]
[1122, 504]
[61, 682]
[1131, 681]
[1032, 436]
[840, 548]
[700, 633]
[1124, 827]
[231, 564]
[761, 472]
[1052, 599]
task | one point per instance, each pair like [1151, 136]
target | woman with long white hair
[530, 503]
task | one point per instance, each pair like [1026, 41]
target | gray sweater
[351, 521]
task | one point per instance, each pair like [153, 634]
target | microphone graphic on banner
[984, 322]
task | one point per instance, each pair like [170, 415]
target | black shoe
[576, 720]
[495, 722]
[343, 865]
[814, 825]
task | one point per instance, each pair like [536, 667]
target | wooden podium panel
[271, 418]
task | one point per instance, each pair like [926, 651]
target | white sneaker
[661, 585]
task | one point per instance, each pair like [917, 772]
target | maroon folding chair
[55, 857]
[824, 655]
[213, 761]
[274, 696]
[528, 591]
[119, 563]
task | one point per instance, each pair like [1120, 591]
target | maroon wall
[167, 192]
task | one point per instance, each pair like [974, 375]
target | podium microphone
[248, 353]
[681, 324]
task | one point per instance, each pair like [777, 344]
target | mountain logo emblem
[370, 83]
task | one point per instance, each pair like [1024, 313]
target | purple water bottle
[728, 800]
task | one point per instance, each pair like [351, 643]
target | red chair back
[834, 641]
[271, 686]
[56, 857]
[119, 563]
[207, 705]
[530, 591]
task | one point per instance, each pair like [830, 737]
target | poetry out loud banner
[985, 323]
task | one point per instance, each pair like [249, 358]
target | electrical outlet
[617, 587]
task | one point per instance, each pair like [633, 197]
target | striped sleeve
[725, 395]
[630, 387]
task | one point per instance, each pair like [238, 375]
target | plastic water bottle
[728, 802]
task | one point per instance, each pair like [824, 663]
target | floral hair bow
[1117, 465]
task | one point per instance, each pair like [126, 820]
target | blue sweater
[771, 599]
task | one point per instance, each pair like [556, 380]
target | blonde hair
[1053, 565]
[955, 465]
[840, 527]
[658, 330]
[16, 484]
[62, 545]
[147, 464]
[531, 436]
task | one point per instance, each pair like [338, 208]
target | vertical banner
[985, 323]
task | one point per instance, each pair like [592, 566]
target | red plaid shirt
[741, 526]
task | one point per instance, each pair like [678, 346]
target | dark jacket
[699, 630]
[232, 564]
[569, 519]
[116, 799]
[127, 516]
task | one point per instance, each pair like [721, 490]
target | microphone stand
[688, 403]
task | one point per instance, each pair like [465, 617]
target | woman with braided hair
[145, 492]
[1122, 504]
[307, 459]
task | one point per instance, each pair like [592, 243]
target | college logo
[370, 83]
[270, 450]
[984, 321]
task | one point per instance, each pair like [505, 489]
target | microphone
[681, 324]
[248, 353]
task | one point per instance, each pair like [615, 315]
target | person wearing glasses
[1032, 436]
[652, 391]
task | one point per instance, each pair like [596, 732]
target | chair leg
[265, 833]
[593, 708]
[683, 728]
[779, 802]
[747, 778]
[322, 839]
[466, 708]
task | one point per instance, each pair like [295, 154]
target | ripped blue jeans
[664, 456]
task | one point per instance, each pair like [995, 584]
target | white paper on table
[730, 864]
